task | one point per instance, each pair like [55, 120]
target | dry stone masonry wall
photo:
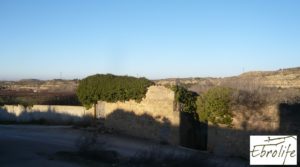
[154, 117]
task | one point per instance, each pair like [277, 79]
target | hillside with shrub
[253, 88]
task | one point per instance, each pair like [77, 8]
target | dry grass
[253, 95]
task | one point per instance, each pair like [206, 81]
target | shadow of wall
[6, 117]
[282, 119]
[193, 134]
[224, 141]
[145, 126]
[50, 117]
[290, 121]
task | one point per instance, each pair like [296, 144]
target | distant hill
[283, 78]
[36, 85]
[33, 91]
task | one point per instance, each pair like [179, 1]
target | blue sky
[152, 38]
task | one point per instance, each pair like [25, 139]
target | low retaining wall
[54, 113]
[276, 119]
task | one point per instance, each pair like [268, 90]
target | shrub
[111, 88]
[214, 106]
[186, 99]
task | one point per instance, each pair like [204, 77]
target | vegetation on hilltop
[30, 99]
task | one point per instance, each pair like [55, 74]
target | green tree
[111, 88]
[214, 106]
[187, 100]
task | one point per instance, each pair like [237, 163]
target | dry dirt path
[31, 145]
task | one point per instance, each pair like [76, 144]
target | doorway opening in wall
[193, 134]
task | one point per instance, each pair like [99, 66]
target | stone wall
[155, 117]
[234, 141]
[54, 113]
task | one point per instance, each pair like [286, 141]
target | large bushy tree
[111, 88]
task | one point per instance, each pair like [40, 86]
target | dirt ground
[47, 146]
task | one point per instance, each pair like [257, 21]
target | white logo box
[273, 150]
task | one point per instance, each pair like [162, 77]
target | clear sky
[46, 39]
